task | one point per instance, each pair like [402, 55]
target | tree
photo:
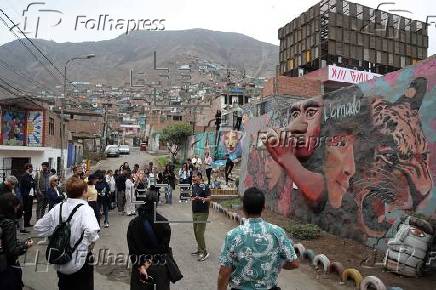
[174, 136]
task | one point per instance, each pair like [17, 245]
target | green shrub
[161, 161]
[303, 231]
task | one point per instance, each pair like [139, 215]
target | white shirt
[111, 181]
[83, 221]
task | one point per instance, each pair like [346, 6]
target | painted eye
[295, 114]
[378, 108]
[424, 157]
[391, 157]
[311, 112]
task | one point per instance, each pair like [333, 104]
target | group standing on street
[76, 208]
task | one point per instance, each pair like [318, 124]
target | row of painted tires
[229, 214]
[321, 261]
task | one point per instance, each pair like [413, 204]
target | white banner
[346, 75]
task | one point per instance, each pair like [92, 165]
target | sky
[72, 21]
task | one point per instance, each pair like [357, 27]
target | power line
[21, 91]
[23, 75]
[28, 49]
[35, 46]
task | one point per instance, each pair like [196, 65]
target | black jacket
[26, 184]
[120, 182]
[12, 248]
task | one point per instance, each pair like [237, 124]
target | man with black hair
[269, 247]
[200, 214]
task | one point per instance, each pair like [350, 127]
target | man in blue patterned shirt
[254, 253]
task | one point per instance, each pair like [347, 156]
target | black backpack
[59, 250]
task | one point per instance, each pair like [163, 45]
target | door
[17, 166]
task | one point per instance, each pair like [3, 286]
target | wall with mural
[34, 128]
[353, 161]
[229, 142]
[13, 128]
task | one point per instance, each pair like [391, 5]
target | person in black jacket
[11, 248]
[229, 168]
[120, 184]
[148, 242]
[103, 198]
[27, 183]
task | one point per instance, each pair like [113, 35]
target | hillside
[116, 57]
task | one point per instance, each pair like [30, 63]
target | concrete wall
[367, 157]
[36, 155]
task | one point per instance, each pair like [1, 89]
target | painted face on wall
[231, 141]
[399, 174]
[273, 171]
[305, 120]
[339, 167]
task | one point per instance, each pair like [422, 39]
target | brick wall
[53, 138]
[291, 86]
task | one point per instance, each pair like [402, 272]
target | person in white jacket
[79, 272]
[129, 207]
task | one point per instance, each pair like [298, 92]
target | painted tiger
[398, 177]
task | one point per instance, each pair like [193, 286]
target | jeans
[169, 195]
[94, 206]
[104, 201]
[200, 220]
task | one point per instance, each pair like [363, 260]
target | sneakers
[106, 225]
[203, 257]
[24, 231]
[196, 253]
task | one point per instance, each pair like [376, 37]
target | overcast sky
[255, 18]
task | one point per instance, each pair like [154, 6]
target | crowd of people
[76, 208]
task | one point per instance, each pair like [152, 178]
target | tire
[322, 259]
[373, 282]
[352, 274]
[299, 250]
[337, 268]
[309, 255]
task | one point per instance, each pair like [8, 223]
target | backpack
[59, 250]
[407, 251]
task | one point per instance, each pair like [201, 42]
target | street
[197, 275]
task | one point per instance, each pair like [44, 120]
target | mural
[34, 128]
[353, 161]
[229, 143]
[13, 126]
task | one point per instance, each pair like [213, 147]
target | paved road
[197, 275]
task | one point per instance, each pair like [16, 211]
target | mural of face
[305, 119]
[273, 171]
[231, 141]
[339, 167]
[399, 176]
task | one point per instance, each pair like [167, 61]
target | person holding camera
[10, 247]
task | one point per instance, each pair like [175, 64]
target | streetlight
[62, 173]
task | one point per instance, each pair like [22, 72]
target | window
[51, 126]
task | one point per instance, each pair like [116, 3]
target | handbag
[174, 273]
